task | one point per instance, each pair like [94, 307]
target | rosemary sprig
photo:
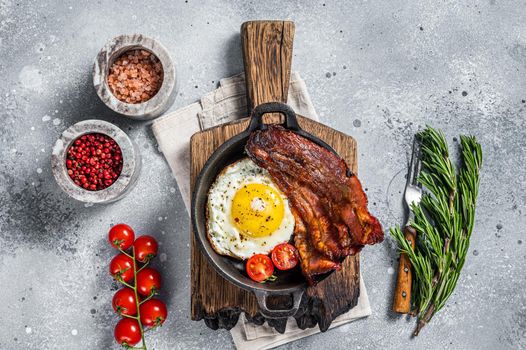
[443, 220]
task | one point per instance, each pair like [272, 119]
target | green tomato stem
[143, 266]
[137, 298]
[152, 294]
[129, 316]
[124, 252]
[125, 283]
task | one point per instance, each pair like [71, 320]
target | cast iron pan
[289, 282]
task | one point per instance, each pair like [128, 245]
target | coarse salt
[136, 76]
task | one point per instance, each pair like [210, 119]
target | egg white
[224, 236]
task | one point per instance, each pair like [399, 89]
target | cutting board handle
[267, 56]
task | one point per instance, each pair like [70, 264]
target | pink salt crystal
[135, 76]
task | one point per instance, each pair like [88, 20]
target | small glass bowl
[155, 106]
[130, 168]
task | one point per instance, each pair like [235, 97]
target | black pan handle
[261, 296]
[256, 119]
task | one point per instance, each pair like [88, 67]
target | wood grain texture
[267, 56]
[404, 280]
[219, 302]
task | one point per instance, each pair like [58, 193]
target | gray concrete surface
[377, 70]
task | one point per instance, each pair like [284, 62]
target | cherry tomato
[284, 256]
[122, 266]
[121, 236]
[127, 332]
[259, 267]
[124, 302]
[145, 248]
[148, 281]
[153, 313]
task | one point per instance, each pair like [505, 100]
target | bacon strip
[330, 207]
[310, 259]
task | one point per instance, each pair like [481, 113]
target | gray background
[377, 70]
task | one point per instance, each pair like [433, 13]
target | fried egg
[246, 213]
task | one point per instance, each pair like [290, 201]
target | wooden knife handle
[267, 56]
[402, 297]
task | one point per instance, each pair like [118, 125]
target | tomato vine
[127, 332]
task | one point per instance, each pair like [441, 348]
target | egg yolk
[257, 210]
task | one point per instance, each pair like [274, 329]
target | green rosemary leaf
[443, 220]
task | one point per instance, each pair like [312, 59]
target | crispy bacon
[310, 259]
[327, 200]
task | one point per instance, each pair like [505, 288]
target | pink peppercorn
[85, 167]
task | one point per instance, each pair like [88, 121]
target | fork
[412, 195]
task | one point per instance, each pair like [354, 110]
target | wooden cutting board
[267, 50]
[219, 302]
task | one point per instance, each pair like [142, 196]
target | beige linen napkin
[227, 103]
